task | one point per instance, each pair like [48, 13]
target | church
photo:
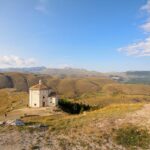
[42, 96]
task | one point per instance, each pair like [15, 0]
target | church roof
[39, 86]
[53, 94]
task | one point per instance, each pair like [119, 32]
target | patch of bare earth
[44, 141]
[16, 114]
[140, 117]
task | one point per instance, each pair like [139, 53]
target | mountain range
[75, 72]
[142, 77]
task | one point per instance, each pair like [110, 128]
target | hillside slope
[66, 86]
[10, 99]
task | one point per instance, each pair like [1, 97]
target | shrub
[73, 108]
[133, 136]
[35, 147]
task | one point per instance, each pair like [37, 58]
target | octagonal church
[42, 96]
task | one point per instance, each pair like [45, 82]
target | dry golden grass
[84, 125]
[117, 94]
[103, 99]
[128, 89]
[66, 87]
[63, 122]
[11, 99]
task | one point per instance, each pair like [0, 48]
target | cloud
[141, 48]
[15, 61]
[146, 27]
[146, 7]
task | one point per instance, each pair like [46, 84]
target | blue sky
[102, 35]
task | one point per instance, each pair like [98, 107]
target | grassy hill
[92, 131]
[131, 77]
[118, 122]
[82, 89]
[90, 90]
[10, 99]
[117, 94]
[66, 86]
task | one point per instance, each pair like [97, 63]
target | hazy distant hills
[125, 77]
[138, 77]
[70, 72]
[54, 71]
[135, 77]
[24, 70]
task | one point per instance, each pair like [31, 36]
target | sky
[101, 35]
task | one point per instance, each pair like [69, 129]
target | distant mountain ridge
[54, 71]
[133, 77]
[23, 70]
[125, 77]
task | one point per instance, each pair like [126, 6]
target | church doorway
[43, 104]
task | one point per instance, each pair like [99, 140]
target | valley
[117, 106]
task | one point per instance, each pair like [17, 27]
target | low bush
[133, 137]
[73, 108]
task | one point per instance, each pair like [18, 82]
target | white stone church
[42, 96]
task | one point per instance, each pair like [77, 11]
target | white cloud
[15, 61]
[146, 7]
[141, 48]
[146, 27]
[41, 6]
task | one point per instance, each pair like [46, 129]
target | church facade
[42, 96]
